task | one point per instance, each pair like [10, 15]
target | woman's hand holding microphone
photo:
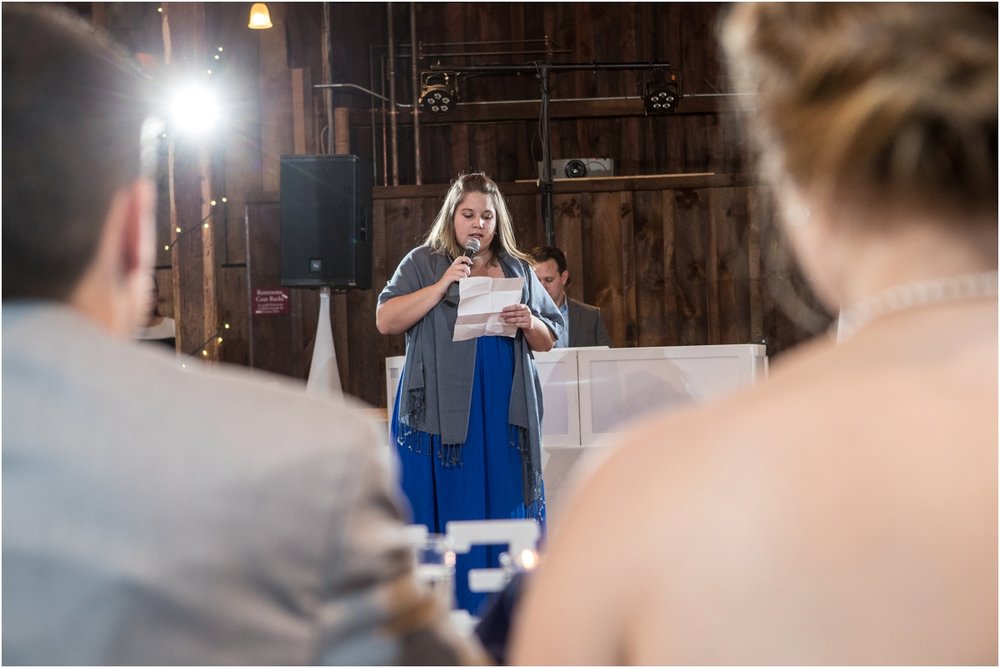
[459, 269]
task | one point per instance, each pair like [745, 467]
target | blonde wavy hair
[874, 107]
[441, 238]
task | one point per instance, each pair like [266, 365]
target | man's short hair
[73, 111]
[545, 253]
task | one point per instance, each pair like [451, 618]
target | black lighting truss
[542, 70]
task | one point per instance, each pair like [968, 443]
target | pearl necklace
[911, 295]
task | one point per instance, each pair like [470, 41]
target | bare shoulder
[805, 507]
[830, 424]
[822, 398]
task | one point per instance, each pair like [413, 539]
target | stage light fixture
[194, 110]
[438, 92]
[661, 97]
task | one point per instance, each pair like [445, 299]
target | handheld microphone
[471, 247]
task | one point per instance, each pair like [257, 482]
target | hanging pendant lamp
[260, 18]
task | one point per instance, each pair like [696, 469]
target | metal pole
[385, 142]
[393, 112]
[327, 75]
[548, 216]
[553, 67]
[416, 92]
[372, 112]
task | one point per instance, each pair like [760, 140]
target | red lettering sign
[270, 301]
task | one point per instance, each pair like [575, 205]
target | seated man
[255, 524]
[585, 326]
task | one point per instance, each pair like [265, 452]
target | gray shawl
[438, 372]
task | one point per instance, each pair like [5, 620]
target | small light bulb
[208, 71]
[220, 49]
[225, 199]
[159, 9]
[212, 202]
[204, 353]
[216, 56]
[205, 226]
[529, 559]
[226, 325]
[179, 230]
[218, 340]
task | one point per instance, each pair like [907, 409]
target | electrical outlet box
[578, 168]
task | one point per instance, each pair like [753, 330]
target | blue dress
[486, 482]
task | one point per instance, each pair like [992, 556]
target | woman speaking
[467, 417]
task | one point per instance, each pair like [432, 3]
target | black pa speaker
[326, 203]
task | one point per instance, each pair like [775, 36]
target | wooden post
[276, 124]
[300, 119]
[755, 211]
[342, 131]
[191, 212]
[304, 141]
[339, 301]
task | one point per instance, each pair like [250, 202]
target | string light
[195, 106]
[215, 338]
[216, 62]
[203, 223]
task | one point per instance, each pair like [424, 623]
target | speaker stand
[324, 374]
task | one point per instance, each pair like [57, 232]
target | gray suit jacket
[586, 328]
[154, 514]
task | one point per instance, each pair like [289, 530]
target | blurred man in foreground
[254, 524]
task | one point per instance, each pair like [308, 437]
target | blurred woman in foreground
[845, 511]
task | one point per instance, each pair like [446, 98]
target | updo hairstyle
[874, 109]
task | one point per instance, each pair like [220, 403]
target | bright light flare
[194, 110]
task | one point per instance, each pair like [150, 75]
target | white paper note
[480, 301]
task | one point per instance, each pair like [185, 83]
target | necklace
[911, 295]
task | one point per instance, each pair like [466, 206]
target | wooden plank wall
[503, 140]
[673, 261]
